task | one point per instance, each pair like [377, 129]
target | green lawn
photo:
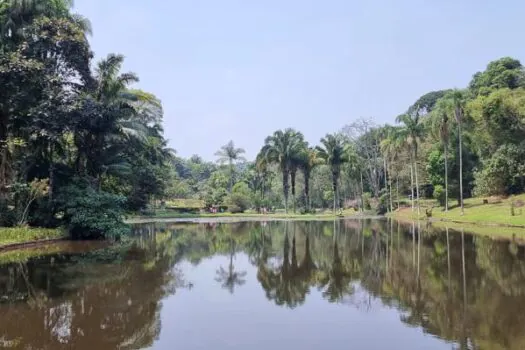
[167, 214]
[12, 235]
[496, 212]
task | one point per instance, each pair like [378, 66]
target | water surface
[368, 284]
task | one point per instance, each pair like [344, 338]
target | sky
[239, 69]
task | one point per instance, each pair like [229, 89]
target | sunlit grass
[487, 219]
[12, 235]
[23, 255]
[324, 215]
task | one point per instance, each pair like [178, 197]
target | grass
[13, 235]
[185, 203]
[496, 213]
[325, 215]
[23, 255]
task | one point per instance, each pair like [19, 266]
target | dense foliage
[77, 144]
[450, 144]
[66, 120]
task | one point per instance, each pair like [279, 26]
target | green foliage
[440, 195]
[436, 167]
[239, 199]
[506, 72]
[382, 206]
[503, 173]
[91, 214]
[366, 201]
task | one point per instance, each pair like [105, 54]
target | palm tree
[263, 169]
[412, 134]
[333, 152]
[441, 127]
[458, 99]
[231, 155]
[108, 112]
[308, 161]
[16, 14]
[390, 148]
[280, 148]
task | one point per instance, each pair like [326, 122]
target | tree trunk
[362, 194]
[388, 180]
[397, 190]
[412, 182]
[446, 177]
[292, 177]
[285, 190]
[334, 187]
[417, 186]
[461, 170]
[3, 160]
[307, 190]
[386, 175]
[231, 175]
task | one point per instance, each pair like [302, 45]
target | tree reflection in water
[464, 289]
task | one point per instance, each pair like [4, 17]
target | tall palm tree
[107, 113]
[441, 127]
[263, 169]
[458, 99]
[280, 148]
[390, 147]
[412, 133]
[231, 155]
[309, 160]
[333, 152]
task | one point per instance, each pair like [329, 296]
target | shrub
[91, 214]
[439, 195]
[239, 200]
[382, 206]
[503, 172]
[366, 201]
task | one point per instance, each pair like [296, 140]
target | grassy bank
[494, 218]
[326, 215]
[15, 235]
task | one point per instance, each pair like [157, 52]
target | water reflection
[466, 290]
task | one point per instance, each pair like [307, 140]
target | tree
[280, 148]
[390, 147]
[231, 155]
[441, 127]
[412, 133]
[309, 160]
[333, 152]
[458, 99]
[503, 73]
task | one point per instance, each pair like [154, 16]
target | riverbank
[12, 237]
[164, 216]
[487, 216]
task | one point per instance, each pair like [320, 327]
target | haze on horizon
[238, 70]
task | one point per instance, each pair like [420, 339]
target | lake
[348, 284]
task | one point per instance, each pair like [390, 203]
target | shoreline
[246, 218]
[31, 244]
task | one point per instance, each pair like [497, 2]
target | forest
[448, 145]
[81, 145]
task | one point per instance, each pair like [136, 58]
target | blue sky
[240, 69]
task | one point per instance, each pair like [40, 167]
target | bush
[239, 200]
[382, 207]
[440, 195]
[91, 214]
[366, 200]
[503, 172]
